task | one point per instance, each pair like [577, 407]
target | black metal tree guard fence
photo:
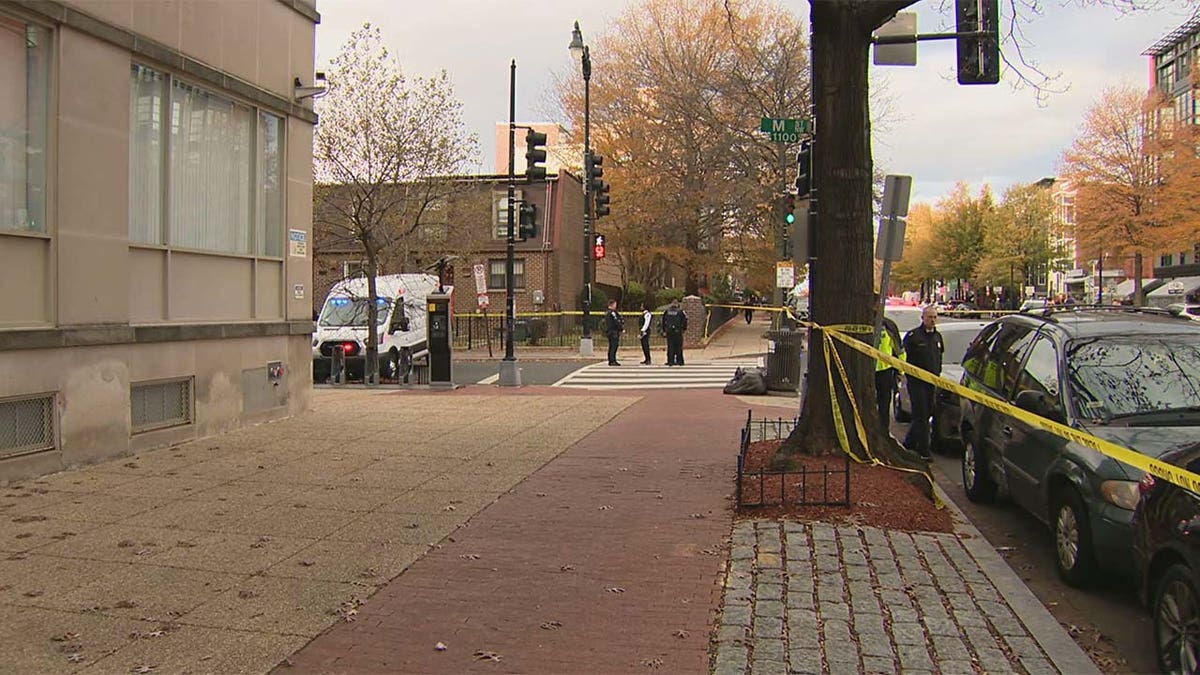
[777, 429]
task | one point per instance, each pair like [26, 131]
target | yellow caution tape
[1156, 467]
[833, 361]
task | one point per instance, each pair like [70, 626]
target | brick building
[472, 225]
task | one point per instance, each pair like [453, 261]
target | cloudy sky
[938, 131]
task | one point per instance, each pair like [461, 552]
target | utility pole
[510, 375]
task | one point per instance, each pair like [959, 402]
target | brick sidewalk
[605, 560]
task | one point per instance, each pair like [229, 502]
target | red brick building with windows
[548, 269]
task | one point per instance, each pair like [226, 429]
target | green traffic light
[790, 218]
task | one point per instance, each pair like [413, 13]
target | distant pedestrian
[885, 374]
[750, 302]
[647, 319]
[674, 325]
[923, 348]
[613, 325]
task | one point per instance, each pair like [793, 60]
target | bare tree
[385, 153]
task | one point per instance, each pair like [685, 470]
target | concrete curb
[1063, 652]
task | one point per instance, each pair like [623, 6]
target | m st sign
[785, 130]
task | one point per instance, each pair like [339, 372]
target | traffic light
[593, 166]
[598, 247]
[602, 200]
[527, 221]
[804, 170]
[535, 156]
[978, 56]
[789, 208]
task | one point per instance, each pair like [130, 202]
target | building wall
[1173, 63]
[98, 311]
[553, 260]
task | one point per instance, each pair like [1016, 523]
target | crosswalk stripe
[658, 376]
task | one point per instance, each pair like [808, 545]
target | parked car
[1180, 309]
[1128, 376]
[956, 337]
[1166, 557]
[1033, 305]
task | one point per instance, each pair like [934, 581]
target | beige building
[155, 211]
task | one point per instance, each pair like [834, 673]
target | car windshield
[1114, 377]
[956, 343]
[351, 312]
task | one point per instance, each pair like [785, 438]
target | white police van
[342, 323]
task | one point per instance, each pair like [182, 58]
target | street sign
[889, 245]
[903, 54]
[480, 279]
[783, 130]
[896, 191]
[785, 274]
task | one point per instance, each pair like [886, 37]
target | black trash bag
[749, 381]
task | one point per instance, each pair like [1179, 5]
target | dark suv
[1130, 376]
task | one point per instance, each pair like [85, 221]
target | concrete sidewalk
[555, 530]
[734, 339]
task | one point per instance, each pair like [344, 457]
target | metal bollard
[337, 365]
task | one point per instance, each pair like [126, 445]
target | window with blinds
[205, 171]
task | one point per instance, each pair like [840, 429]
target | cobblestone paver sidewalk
[820, 598]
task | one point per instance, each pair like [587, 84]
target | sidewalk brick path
[819, 598]
[605, 560]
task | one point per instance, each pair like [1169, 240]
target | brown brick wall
[553, 261]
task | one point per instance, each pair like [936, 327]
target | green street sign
[785, 130]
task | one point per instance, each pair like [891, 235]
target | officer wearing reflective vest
[885, 373]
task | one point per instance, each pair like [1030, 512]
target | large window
[205, 172]
[24, 54]
[496, 274]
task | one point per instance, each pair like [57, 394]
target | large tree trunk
[842, 280]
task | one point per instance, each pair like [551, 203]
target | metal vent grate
[26, 425]
[157, 405]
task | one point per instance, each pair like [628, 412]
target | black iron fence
[823, 481]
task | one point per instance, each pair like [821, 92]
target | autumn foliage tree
[1111, 167]
[677, 89]
[386, 151]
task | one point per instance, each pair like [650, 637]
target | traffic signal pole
[585, 342]
[780, 295]
[510, 375]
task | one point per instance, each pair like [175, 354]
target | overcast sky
[939, 131]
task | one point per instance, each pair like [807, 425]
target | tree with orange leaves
[677, 89]
[1112, 169]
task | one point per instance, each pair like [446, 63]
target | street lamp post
[580, 51]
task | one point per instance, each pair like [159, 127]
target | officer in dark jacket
[674, 325]
[923, 348]
[613, 325]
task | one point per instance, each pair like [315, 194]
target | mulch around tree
[879, 496]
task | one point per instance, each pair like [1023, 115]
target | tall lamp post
[580, 52]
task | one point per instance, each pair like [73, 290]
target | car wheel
[1073, 554]
[902, 415]
[1177, 622]
[977, 482]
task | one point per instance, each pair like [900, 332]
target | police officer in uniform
[613, 325]
[885, 374]
[674, 324]
[923, 348]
